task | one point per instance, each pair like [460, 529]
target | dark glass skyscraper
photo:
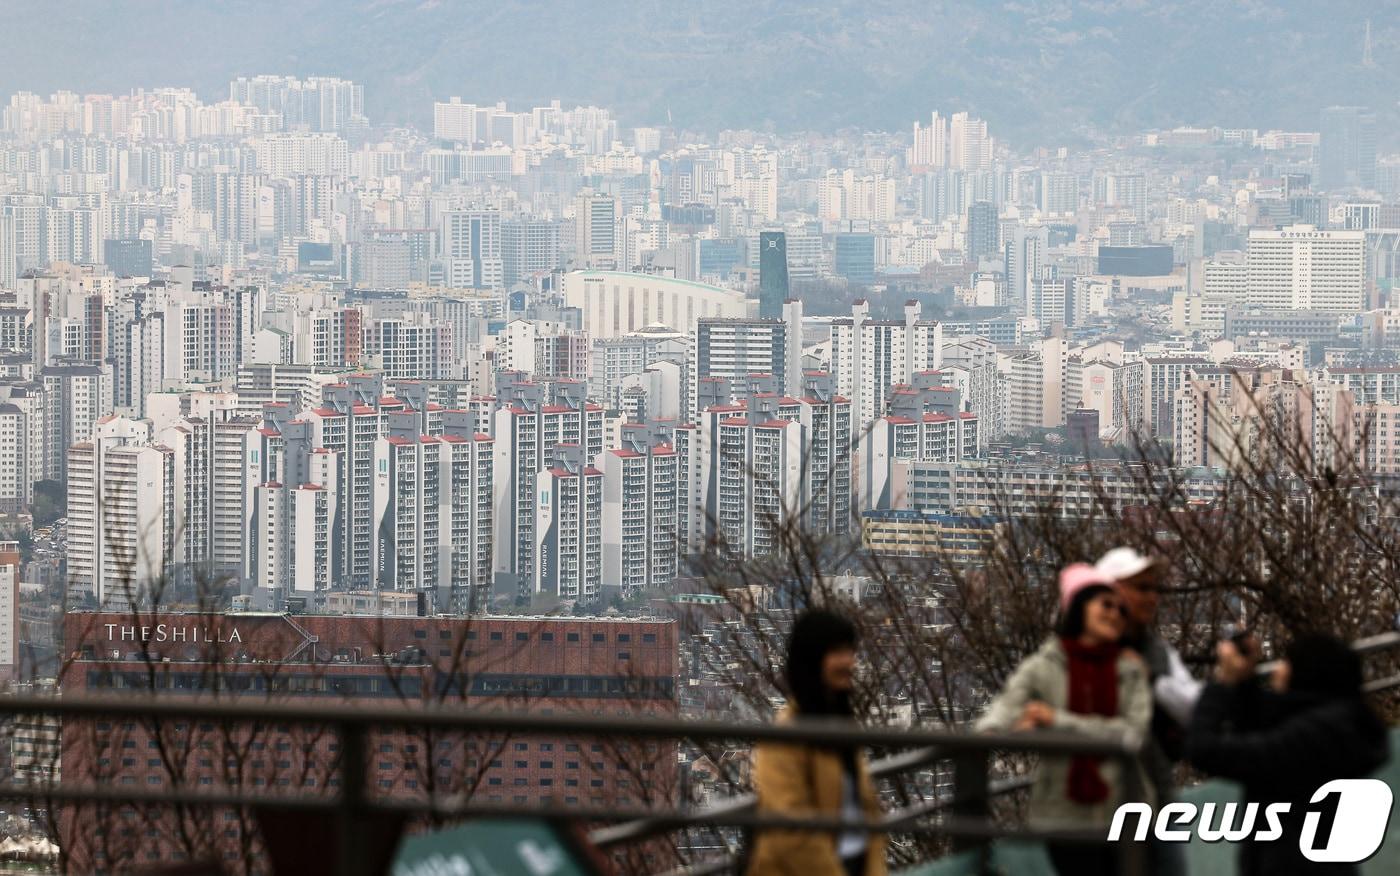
[128, 257]
[772, 274]
[981, 230]
[1346, 151]
[855, 257]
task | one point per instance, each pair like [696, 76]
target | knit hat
[1077, 577]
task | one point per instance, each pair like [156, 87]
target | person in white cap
[1174, 690]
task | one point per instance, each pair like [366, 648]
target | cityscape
[508, 463]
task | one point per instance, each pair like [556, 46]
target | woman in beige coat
[799, 780]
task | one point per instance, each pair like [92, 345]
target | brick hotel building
[549, 665]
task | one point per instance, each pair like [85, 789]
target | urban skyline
[384, 384]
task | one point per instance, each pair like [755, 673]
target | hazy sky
[1037, 69]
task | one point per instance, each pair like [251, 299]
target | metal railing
[965, 818]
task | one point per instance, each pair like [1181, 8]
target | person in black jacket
[1310, 725]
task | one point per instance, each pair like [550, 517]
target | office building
[1302, 268]
[562, 664]
[471, 249]
[982, 228]
[854, 257]
[1346, 151]
[772, 274]
[130, 257]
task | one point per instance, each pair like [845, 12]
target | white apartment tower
[869, 356]
[120, 514]
[640, 517]
[530, 425]
[569, 527]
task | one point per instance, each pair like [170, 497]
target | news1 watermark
[1344, 822]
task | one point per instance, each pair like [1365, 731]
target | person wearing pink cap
[1081, 680]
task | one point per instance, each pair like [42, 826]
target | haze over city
[766, 437]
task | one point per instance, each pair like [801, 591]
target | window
[624, 655]
[522, 746]
[546, 764]
[624, 637]
[572, 637]
[420, 634]
[497, 636]
[546, 637]
[599, 637]
[522, 637]
[444, 634]
[649, 638]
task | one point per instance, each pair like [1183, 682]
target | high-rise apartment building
[869, 356]
[471, 249]
[529, 248]
[1057, 192]
[531, 421]
[121, 506]
[640, 518]
[969, 145]
[930, 149]
[569, 527]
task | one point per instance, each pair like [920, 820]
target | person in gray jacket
[1081, 680]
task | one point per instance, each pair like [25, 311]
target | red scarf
[1093, 690]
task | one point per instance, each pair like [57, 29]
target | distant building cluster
[534, 355]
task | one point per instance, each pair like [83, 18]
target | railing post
[971, 799]
[1132, 856]
[351, 858]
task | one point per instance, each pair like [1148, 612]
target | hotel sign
[172, 633]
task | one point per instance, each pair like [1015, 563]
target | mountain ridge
[1038, 70]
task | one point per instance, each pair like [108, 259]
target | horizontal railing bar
[898, 763]
[1363, 646]
[757, 820]
[633, 831]
[814, 730]
[1381, 684]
